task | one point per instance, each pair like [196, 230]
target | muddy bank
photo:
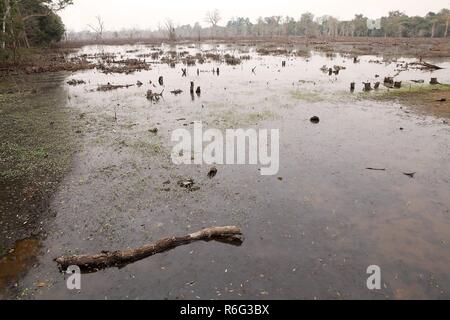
[423, 99]
[33, 61]
[37, 135]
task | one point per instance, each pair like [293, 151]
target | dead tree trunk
[367, 86]
[93, 263]
[5, 18]
[397, 84]
[446, 25]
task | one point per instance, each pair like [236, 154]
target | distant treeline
[396, 24]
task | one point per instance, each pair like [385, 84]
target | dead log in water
[425, 66]
[110, 87]
[120, 259]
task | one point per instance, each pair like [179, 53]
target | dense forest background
[396, 24]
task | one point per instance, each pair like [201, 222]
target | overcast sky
[144, 14]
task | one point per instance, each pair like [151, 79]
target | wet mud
[310, 232]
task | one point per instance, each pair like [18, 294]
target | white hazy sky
[144, 14]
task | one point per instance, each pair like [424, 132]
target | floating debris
[212, 173]
[154, 96]
[109, 87]
[75, 82]
[188, 184]
[411, 175]
[315, 120]
[176, 92]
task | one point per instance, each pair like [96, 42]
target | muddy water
[310, 232]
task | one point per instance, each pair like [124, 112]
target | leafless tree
[99, 28]
[170, 29]
[213, 18]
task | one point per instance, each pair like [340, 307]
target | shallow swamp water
[310, 232]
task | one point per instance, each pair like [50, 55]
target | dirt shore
[36, 145]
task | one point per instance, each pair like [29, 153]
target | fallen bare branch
[120, 259]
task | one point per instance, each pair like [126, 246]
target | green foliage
[396, 24]
[30, 22]
[51, 29]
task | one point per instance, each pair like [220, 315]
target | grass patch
[309, 96]
[428, 100]
[233, 119]
[411, 90]
[36, 147]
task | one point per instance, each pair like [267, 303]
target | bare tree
[213, 18]
[170, 29]
[99, 28]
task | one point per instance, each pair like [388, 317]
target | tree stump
[389, 80]
[192, 87]
[161, 81]
[434, 81]
[397, 84]
[377, 85]
[367, 86]
[352, 86]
